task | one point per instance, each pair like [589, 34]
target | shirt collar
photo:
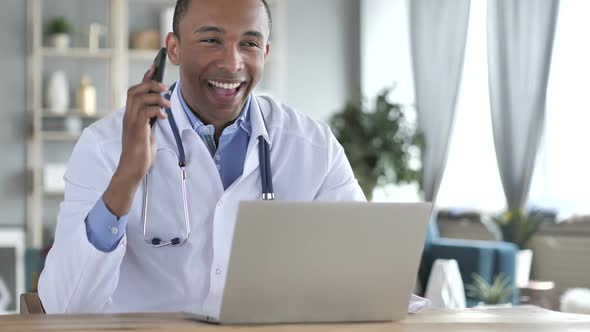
[259, 120]
[243, 120]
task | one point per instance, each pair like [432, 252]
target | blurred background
[476, 105]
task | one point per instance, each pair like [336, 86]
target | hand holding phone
[144, 105]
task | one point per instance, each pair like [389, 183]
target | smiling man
[221, 47]
[118, 249]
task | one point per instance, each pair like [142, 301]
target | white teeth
[227, 86]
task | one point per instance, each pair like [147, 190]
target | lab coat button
[114, 229]
[218, 272]
[218, 157]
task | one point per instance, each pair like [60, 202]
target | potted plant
[518, 227]
[498, 293]
[380, 143]
[59, 30]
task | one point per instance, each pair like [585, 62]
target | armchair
[486, 258]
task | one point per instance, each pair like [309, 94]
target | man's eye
[210, 41]
[251, 44]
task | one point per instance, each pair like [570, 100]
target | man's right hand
[144, 101]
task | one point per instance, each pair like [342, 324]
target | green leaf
[59, 24]
[498, 292]
[378, 142]
[518, 227]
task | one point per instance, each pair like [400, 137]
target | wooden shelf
[54, 194]
[142, 55]
[162, 2]
[59, 136]
[46, 114]
[74, 52]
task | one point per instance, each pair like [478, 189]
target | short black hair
[182, 7]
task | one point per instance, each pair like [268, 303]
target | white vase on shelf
[86, 97]
[73, 125]
[58, 93]
[53, 175]
[60, 41]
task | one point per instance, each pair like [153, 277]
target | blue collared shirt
[229, 156]
[105, 231]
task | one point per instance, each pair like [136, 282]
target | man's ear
[267, 51]
[173, 48]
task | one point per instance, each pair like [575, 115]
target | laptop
[319, 262]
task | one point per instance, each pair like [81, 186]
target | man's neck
[218, 124]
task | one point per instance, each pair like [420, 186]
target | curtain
[438, 30]
[520, 43]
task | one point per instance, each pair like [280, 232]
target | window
[562, 175]
[471, 178]
[561, 179]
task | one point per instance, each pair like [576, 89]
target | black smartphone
[160, 62]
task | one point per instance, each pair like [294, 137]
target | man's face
[221, 51]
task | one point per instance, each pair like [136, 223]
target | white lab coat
[307, 164]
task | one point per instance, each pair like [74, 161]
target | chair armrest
[472, 256]
[506, 265]
[486, 258]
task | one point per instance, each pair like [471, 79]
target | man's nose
[232, 60]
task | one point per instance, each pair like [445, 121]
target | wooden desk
[521, 319]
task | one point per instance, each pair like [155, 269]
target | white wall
[12, 125]
[323, 55]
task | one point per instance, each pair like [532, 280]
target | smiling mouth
[225, 92]
[223, 85]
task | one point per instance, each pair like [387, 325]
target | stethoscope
[265, 176]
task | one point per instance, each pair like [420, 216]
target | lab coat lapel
[182, 122]
[197, 155]
[259, 128]
[195, 147]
